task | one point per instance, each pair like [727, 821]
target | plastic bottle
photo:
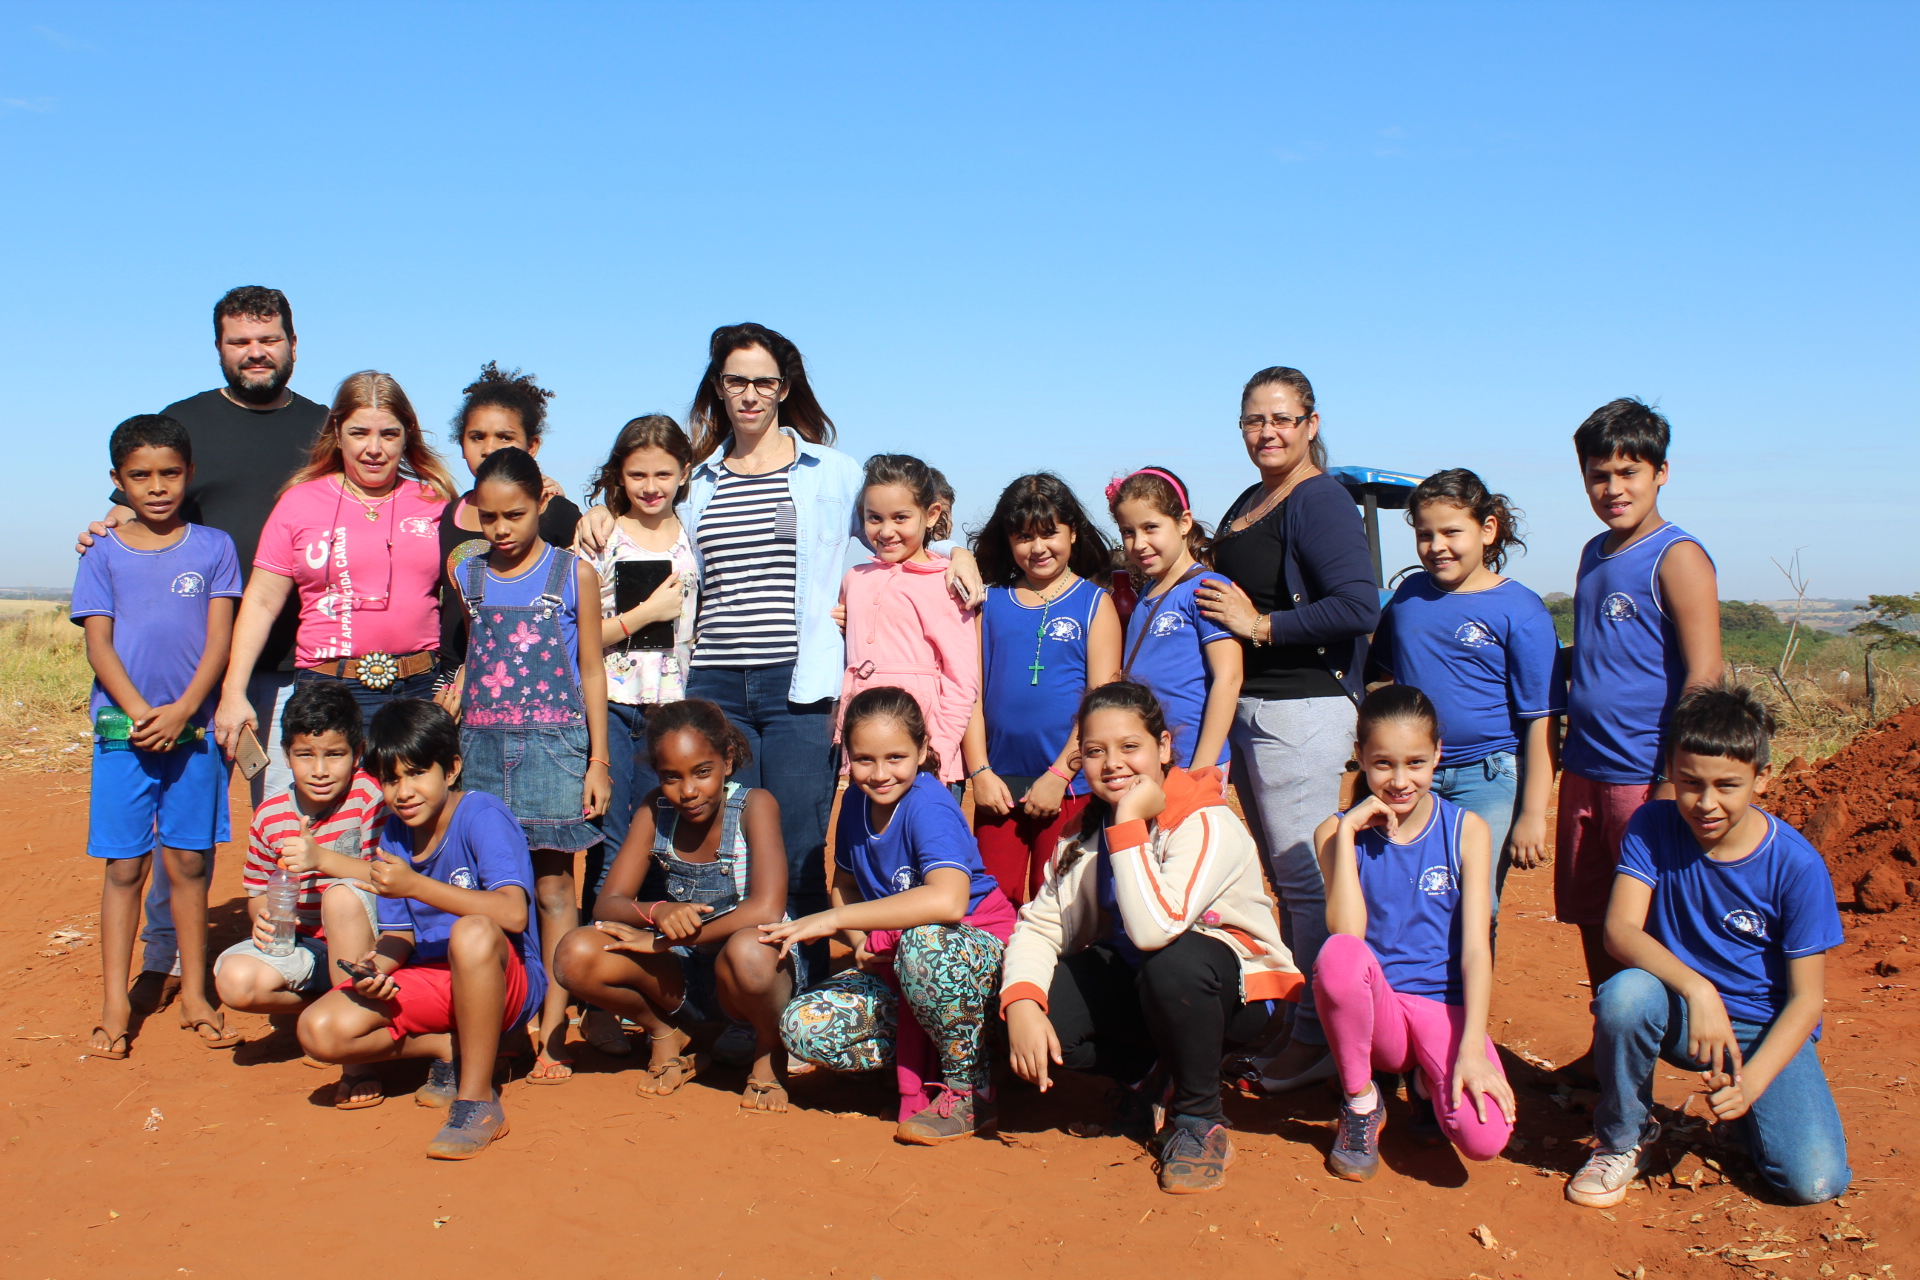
[283, 897]
[114, 728]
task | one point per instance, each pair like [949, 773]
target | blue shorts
[180, 795]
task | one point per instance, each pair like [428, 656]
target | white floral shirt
[649, 676]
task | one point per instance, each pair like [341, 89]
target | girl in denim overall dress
[533, 705]
[703, 866]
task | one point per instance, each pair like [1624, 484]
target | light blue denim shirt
[825, 486]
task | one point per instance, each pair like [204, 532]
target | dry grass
[1827, 712]
[44, 679]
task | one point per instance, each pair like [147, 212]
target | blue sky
[1013, 237]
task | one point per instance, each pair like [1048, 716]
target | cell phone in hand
[358, 972]
[249, 754]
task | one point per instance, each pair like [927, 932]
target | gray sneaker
[955, 1114]
[469, 1128]
[443, 1083]
[1603, 1180]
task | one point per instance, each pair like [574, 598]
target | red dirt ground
[162, 1166]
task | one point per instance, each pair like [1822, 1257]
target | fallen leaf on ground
[441, 1222]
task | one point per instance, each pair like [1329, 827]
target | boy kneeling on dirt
[324, 831]
[455, 965]
[1723, 913]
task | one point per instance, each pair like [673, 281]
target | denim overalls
[523, 731]
[720, 884]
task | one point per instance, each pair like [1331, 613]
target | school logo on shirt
[1165, 624]
[189, 584]
[1749, 923]
[420, 526]
[1619, 607]
[1065, 630]
[904, 879]
[463, 879]
[1436, 880]
[1473, 635]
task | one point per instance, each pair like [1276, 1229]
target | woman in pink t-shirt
[356, 533]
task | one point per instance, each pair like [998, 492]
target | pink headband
[1180, 490]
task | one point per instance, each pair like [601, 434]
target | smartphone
[249, 755]
[633, 582]
[358, 972]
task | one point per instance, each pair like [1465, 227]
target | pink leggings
[1370, 1027]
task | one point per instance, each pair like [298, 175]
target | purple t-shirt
[158, 603]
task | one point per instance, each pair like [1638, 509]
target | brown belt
[378, 670]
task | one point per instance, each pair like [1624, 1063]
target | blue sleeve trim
[1637, 874]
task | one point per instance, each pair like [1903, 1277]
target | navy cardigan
[1328, 571]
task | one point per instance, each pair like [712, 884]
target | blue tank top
[1627, 669]
[1412, 892]
[1028, 722]
[530, 584]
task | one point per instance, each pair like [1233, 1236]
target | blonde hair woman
[356, 533]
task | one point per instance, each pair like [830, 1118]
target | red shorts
[424, 1006]
[1593, 817]
[1016, 848]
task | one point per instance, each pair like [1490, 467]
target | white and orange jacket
[1195, 867]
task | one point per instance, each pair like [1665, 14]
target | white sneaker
[1603, 1180]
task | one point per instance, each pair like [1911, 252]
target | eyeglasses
[1258, 421]
[735, 385]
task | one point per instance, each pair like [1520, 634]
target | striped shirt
[748, 541]
[353, 829]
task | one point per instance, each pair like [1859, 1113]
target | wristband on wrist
[623, 626]
[1054, 769]
[598, 760]
[646, 913]
[977, 772]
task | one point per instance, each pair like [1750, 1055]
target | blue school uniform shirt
[483, 848]
[1626, 670]
[927, 831]
[1028, 723]
[1485, 658]
[158, 603]
[1412, 892]
[1736, 924]
[1166, 650]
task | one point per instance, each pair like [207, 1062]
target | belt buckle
[378, 671]
[864, 671]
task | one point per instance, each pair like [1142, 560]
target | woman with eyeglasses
[356, 533]
[770, 509]
[1302, 598]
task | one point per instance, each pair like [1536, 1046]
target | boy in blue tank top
[1724, 914]
[1646, 629]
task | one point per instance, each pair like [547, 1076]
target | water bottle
[283, 897]
[114, 728]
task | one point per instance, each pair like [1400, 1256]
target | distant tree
[1739, 617]
[1891, 628]
[1560, 607]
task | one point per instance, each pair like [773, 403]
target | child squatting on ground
[1406, 973]
[156, 601]
[1151, 946]
[325, 832]
[457, 962]
[1722, 914]
[702, 867]
[926, 925]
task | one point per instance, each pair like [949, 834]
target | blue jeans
[1490, 788]
[633, 777]
[793, 758]
[1793, 1130]
[371, 700]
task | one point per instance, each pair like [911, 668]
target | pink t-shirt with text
[366, 586]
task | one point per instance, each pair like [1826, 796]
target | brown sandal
[343, 1099]
[226, 1039]
[758, 1092]
[687, 1065]
[123, 1041]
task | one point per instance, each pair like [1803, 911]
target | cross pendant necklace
[1040, 636]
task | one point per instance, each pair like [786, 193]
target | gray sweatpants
[1287, 759]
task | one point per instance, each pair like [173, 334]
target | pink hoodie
[904, 628]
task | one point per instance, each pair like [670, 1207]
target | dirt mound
[1861, 808]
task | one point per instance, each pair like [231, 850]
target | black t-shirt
[556, 526]
[241, 457]
[1255, 561]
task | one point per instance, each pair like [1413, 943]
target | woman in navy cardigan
[1303, 599]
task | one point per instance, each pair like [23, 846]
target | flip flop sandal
[688, 1065]
[760, 1089]
[343, 1099]
[227, 1039]
[122, 1040]
[530, 1078]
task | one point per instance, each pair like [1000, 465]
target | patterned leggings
[947, 974]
